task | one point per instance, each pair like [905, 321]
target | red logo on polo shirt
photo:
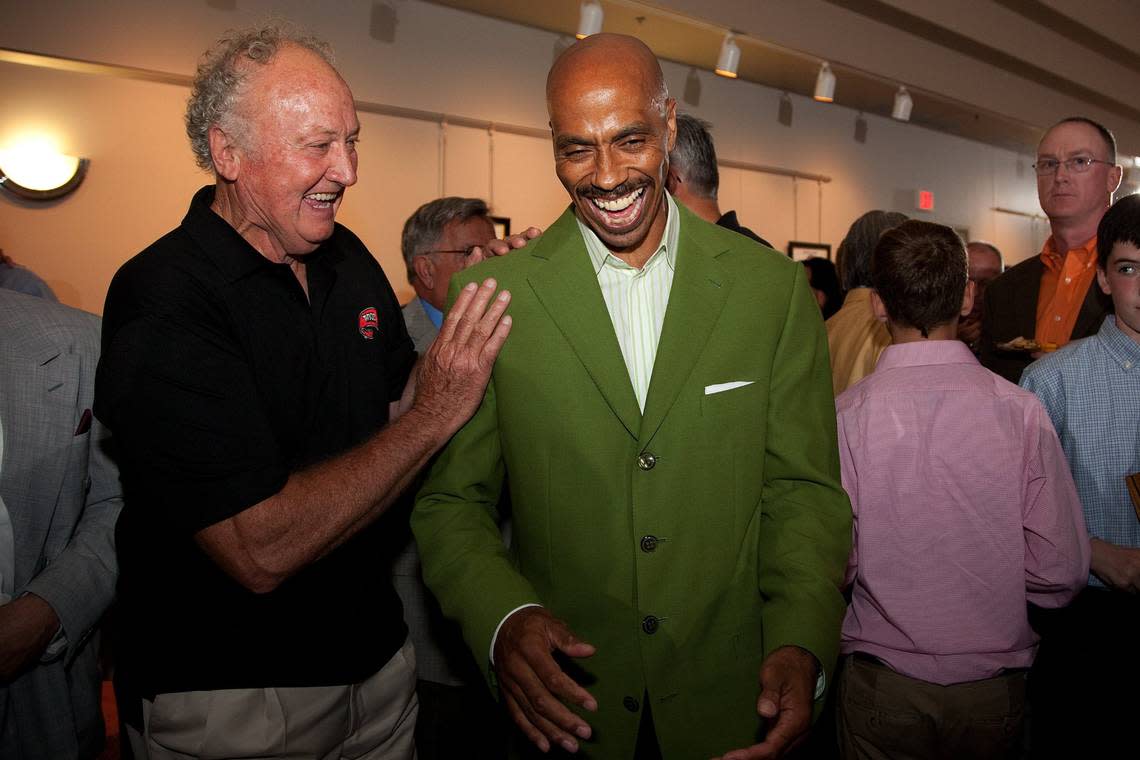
[369, 323]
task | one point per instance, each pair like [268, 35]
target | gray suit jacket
[61, 490]
[419, 324]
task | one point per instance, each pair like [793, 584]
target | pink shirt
[964, 510]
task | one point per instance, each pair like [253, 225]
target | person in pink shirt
[964, 511]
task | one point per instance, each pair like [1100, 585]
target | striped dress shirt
[637, 298]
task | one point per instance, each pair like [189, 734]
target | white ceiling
[997, 71]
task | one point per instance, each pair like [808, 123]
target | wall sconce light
[729, 60]
[35, 171]
[903, 105]
[824, 84]
[589, 19]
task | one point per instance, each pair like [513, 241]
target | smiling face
[613, 127]
[293, 155]
[1072, 198]
[1120, 280]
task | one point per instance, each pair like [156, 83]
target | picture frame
[502, 226]
[798, 250]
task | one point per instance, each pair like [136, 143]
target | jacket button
[648, 544]
[646, 460]
[630, 704]
[649, 624]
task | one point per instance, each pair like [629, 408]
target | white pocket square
[722, 387]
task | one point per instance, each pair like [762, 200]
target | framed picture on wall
[502, 226]
[799, 250]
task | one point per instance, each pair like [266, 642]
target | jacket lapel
[699, 293]
[1025, 310]
[567, 287]
[1092, 312]
[39, 417]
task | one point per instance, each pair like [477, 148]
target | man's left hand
[27, 626]
[506, 245]
[787, 686]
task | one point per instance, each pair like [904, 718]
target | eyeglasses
[1078, 164]
[467, 252]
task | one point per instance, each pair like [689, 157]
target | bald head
[604, 59]
[613, 125]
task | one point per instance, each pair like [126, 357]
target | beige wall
[142, 173]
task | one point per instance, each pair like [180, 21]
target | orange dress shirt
[1064, 284]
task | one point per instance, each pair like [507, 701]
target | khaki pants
[883, 714]
[371, 720]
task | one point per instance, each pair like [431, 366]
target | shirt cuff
[495, 635]
[56, 647]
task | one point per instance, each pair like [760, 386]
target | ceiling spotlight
[589, 19]
[729, 60]
[903, 105]
[825, 84]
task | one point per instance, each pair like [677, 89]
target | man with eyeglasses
[1048, 298]
[442, 237]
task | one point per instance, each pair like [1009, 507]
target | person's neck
[706, 208]
[638, 256]
[228, 206]
[907, 334]
[427, 297]
[1069, 234]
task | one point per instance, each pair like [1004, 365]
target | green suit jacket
[685, 543]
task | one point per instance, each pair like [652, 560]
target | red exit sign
[924, 200]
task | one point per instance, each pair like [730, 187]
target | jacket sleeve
[79, 583]
[805, 536]
[465, 563]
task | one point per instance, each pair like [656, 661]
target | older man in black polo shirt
[256, 377]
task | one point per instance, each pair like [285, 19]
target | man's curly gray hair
[218, 84]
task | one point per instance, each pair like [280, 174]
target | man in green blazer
[662, 415]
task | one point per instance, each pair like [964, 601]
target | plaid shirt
[1091, 389]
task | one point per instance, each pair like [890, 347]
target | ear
[877, 307]
[425, 271]
[225, 153]
[1102, 280]
[1115, 175]
[671, 123]
[968, 297]
[672, 182]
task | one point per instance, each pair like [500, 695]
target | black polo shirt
[219, 378]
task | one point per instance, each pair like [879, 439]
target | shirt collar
[858, 296]
[228, 250]
[1054, 259]
[1123, 350]
[600, 255]
[925, 352]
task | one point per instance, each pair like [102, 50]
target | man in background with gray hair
[259, 380]
[441, 238]
[694, 178]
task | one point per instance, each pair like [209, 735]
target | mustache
[625, 188]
